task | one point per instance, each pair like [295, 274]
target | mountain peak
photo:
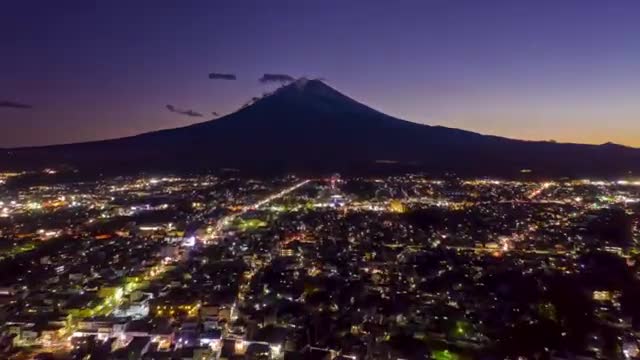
[614, 145]
[307, 85]
[314, 91]
[307, 125]
[301, 83]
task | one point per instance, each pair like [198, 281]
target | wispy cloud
[14, 105]
[222, 76]
[279, 78]
[183, 112]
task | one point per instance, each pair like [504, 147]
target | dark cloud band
[279, 78]
[14, 105]
[220, 76]
[183, 112]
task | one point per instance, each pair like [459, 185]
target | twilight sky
[567, 70]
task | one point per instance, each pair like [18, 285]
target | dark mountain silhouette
[308, 126]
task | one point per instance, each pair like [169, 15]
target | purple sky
[567, 70]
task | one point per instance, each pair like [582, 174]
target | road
[225, 221]
[535, 193]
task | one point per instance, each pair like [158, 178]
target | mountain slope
[309, 126]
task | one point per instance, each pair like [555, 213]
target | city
[320, 180]
[398, 267]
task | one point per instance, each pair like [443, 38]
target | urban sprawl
[405, 267]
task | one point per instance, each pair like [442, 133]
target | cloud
[279, 78]
[215, 113]
[14, 105]
[219, 76]
[183, 112]
[192, 113]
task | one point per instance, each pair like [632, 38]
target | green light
[445, 355]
